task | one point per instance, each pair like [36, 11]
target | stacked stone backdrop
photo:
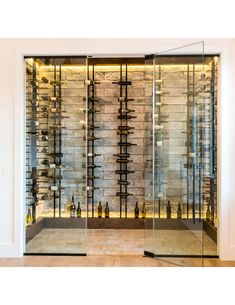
[107, 120]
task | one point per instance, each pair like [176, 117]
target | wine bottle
[179, 211]
[55, 110]
[91, 99]
[124, 132]
[45, 162]
[126, 144]
[33, 83]
[44, 138]
[143, 211]
[45, 97]
[125, 99]
[93, 166]
[44, 108]
[106, 211]
[136, 210]
[124, 172]
[55, 83]
[120, 182]
[208, 213]
[56, 155]
[72, 208]
[92, 138]
[28, 71]
[56, 99]
[44, 80]
[122, 83]
[92, 188]
[91, 82]
[125, 127]
[123, 194]
[44, 174]
[92, 177]
[91, 110]
[79, 210]
[91, 127]
[168, 210]
[126, 155]
[55, 188]
[123, 161]
[55, 177]
[124, 110]
[44, 150]
[93, 155]
[126, 117]
[29, 218]
[44, 132]
[58, 116]
[99, 210]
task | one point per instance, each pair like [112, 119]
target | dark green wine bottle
[179, 211]
[72, 208]
[136, 210]
[79, 210]
[143, 211]
[168, 210]
[106, 211]
[99, 210]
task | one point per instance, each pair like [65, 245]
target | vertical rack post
[188, 141]
[91, 83]
[54, 144]
[60, 140]
[212, 142]
[194, 130]
[34, 141]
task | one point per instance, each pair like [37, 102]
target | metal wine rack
[44, 140]
[32, 123]
[91, 111]
[124, 116]
[55, 133]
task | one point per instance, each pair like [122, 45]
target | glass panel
[55, 155]
[180, 158]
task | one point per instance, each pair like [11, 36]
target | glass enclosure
[121, 155]
[181, 147]
[55, 155]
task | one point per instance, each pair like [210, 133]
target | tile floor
[120, 242]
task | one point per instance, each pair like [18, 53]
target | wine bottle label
[192, 154]
[158, 81]
[159, 143]
[53, 110]
[36, 123]
[159, 195]
[158, 92]
[52, 165]
[53, 98]
[158, 127]
[54, 188]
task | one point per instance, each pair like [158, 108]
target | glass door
[175, 86]
[56, 129]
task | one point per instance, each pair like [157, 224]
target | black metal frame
[91, 87]
[122, 157]
[55, 254]
[151, 254]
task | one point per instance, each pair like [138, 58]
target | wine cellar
[121, 146]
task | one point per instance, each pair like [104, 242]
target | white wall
[12, 122]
